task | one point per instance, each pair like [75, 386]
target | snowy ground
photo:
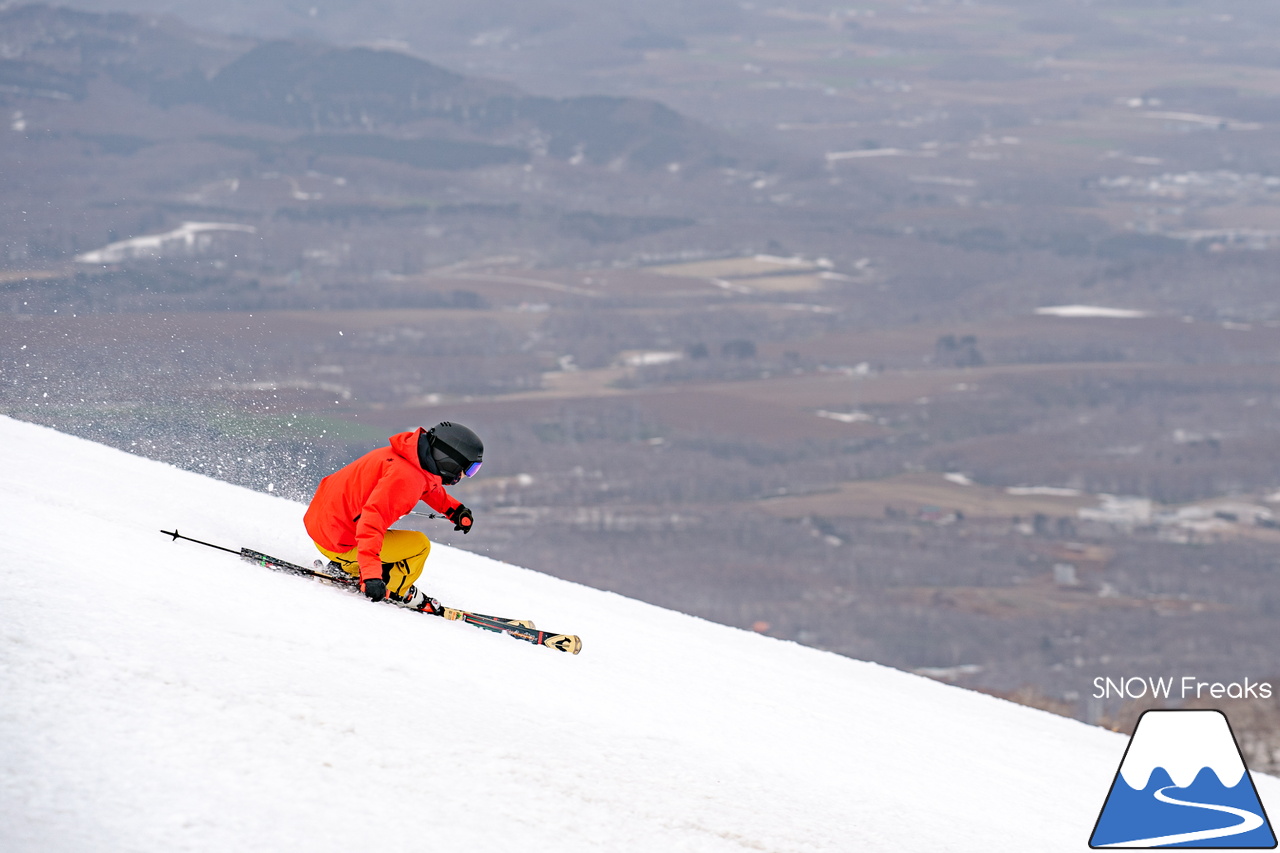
[162, 696]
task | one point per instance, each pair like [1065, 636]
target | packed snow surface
[163, 696]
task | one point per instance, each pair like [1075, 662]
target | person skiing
[350, 516]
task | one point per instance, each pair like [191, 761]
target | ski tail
[276, 564]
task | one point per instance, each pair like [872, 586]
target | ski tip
[570, 643]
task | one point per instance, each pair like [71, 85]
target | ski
[521, 629]
[570, 643]
[348, 581]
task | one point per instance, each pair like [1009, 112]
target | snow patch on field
[188, 238]
[1074, 311]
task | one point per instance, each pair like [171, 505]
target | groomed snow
[162, 696]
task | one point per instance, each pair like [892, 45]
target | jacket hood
[406, 444]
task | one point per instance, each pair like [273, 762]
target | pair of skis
[521, 629]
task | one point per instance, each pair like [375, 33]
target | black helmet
[453, 450]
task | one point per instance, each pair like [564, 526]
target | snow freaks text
[1184, 687]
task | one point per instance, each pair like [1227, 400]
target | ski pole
[265, 560]
[176, 536]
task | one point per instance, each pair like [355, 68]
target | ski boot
[416, 599]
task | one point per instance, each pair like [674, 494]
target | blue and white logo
[1183, 783]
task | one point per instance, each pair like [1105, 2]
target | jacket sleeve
[390, 499]
[438, 499]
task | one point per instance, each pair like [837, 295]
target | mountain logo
[1183, 783]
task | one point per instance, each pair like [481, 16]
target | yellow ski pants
[404, 553]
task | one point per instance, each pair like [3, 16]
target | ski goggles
[472, 469]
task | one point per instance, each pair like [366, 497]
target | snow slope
[162, 696]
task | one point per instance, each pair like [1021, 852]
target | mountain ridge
[55, 52]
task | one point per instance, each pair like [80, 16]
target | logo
[1183, 783]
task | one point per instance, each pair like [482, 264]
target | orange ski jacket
[354, 506]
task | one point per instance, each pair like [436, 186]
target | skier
[350, 516]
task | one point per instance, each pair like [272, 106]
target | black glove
[375, 588]
[461, 518]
